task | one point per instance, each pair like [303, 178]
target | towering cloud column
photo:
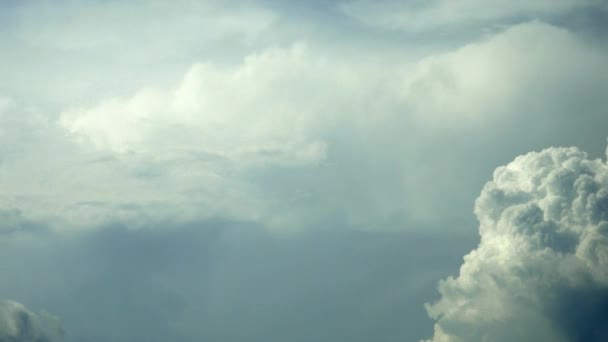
[540, 272]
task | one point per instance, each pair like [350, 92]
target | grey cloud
[540, 271]
[18, 324]
[13, 223]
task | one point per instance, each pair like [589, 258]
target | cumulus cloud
[279, 104]
[165, 114]
[540, 272]
[18, 324]
[260, 110]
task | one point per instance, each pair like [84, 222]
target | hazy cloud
[18, 324]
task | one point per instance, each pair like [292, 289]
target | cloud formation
[279, 105]
[131, 130]
[18, 324]
[540, 272]
[492, 79]
[298, 134]
[258, 111]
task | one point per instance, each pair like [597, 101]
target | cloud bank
[540, 272]
[293, 136]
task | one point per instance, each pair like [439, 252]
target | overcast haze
[303, 171]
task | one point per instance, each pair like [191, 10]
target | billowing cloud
[540, 272]
[508, 73]
[294, 135]
[280, 104]
[259, 111]
[18, 324]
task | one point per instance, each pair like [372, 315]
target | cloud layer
[230, 282]
[540, 271]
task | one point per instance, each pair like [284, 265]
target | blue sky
[280, 170]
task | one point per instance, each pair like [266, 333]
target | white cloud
[263, 109]
[291, 136]
[540, 271]
[532, 67]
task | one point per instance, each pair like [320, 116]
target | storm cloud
[260, 170]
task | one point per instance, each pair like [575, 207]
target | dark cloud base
[582, 315]
[218, 281]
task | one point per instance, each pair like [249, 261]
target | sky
[262, 170]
